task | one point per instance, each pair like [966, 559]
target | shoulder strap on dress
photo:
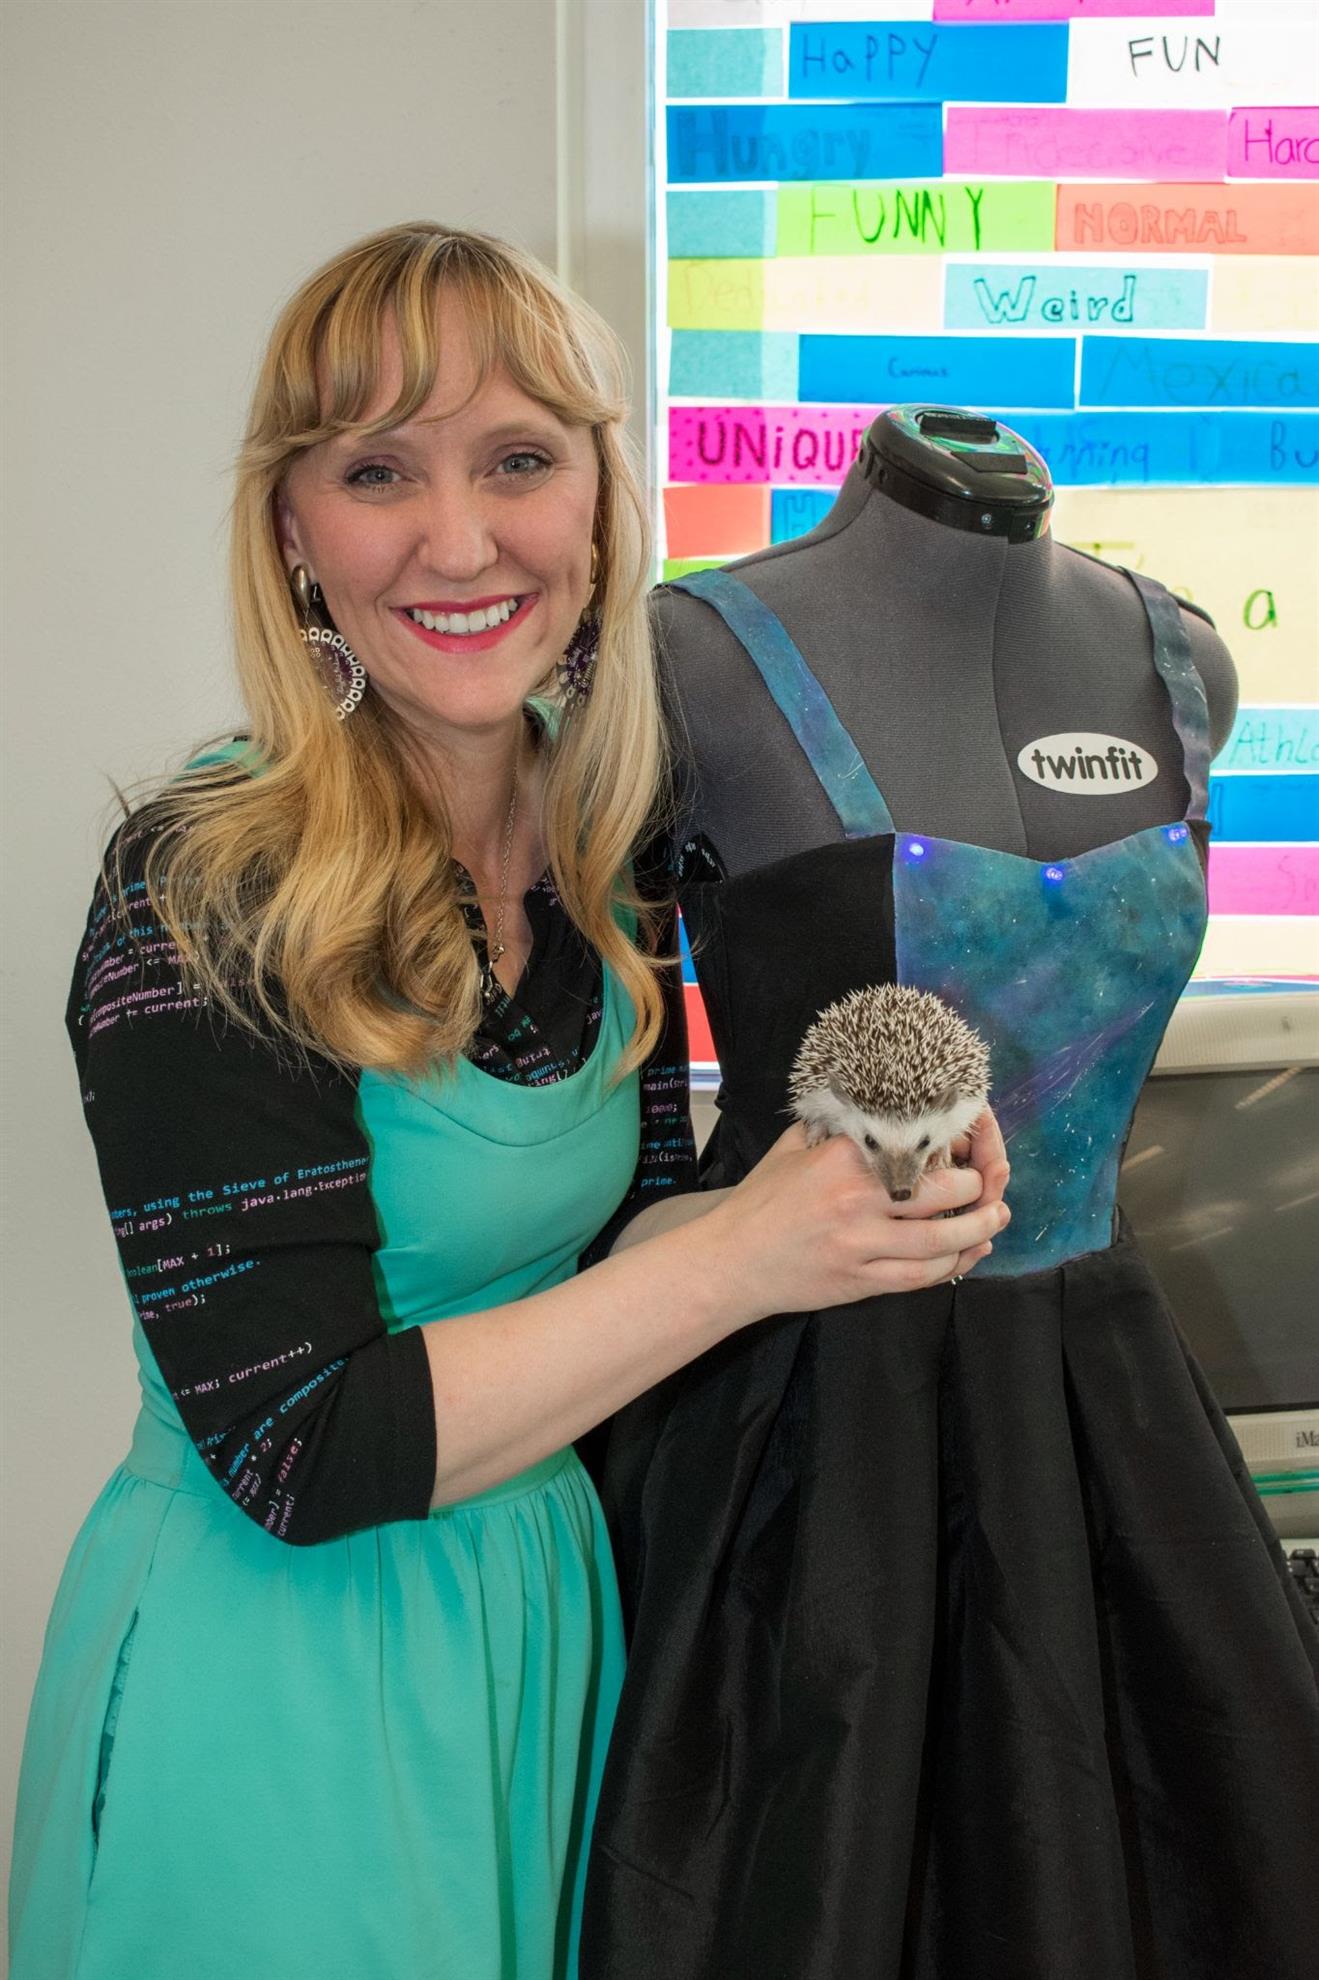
[805, 706]
[1181, 677]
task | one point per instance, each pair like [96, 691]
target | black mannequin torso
[944, 654]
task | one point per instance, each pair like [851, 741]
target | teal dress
[289, 1721]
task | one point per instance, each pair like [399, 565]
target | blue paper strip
[805, 141]
[1180, 371]
[792, 511]
[1272, 810]
[734, 364]
[972, 371]
[1112, 449]
[725, 62]
[721, 225]
[1282, 741]
[1043, 296]
[918, 62]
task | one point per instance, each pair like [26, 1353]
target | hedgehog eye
[871, 1142]
[924, 1142]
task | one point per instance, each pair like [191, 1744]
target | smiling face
[453, 551]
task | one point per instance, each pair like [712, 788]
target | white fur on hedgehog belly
[827, 1113]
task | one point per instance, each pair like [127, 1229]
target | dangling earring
[329, 647]
[576, 669]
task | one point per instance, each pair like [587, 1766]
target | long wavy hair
[318, 897]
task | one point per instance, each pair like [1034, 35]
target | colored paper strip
[1051, 295]
[755, 13]
[721, 223]
[1283, 945]
[724, 62]
[713, 522]
[1263, 879]
[945, 216]
[815, 445]
[916, 61]
[734, 364]
[1062, 10]
[1098, 449]
[1190, 219]
[793, 511]
[700, 1042]
[972, 371]
[1202, 65]
[1273, 143]
[1276, 741]
[807, 292]
[1126, 144]
[788, 445]
[1274, 293]
[804, 141]
[1183, 371]
[1264, 808]
[1250, 564]
[676, 567]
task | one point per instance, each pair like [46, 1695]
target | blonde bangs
[318, 896]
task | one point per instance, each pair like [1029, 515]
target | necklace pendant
[495, 953]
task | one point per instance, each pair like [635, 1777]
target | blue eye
[524, 462]
[359, 477]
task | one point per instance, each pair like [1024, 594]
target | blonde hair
[319, 896]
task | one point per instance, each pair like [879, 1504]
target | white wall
[173, 168]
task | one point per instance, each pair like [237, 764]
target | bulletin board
[1096, 219]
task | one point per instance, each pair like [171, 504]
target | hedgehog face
[897, 1149]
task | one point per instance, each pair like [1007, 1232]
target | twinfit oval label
[1086, 765]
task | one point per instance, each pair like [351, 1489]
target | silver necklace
[495, 948]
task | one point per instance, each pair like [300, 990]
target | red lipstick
[478, 642]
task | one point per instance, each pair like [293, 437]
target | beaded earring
[576, 669]
[343, 672]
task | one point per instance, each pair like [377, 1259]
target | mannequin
[946, 648]
[932, 1671]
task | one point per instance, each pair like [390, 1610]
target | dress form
[945, 652]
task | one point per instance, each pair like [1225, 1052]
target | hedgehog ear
[946, 1097]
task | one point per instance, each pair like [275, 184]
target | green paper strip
[926, 216]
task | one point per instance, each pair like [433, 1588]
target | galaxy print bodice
[1069, 969]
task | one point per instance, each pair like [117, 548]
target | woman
[367, 1018]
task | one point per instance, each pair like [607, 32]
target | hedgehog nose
[900, 1195]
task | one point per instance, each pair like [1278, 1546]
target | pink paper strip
[791, 446]
[1264, 879]
[1274, 143]
[1051, 144]
[1064, 10]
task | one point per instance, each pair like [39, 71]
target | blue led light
[915, 848]
[1174, 834]
[1053, 873]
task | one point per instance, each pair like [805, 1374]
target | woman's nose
[457, 539]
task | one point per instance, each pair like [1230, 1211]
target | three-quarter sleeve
[236, 1176]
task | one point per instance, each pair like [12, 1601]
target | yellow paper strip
[1275, 294]
[1247, 556]
[1260, 945]
[836, 293]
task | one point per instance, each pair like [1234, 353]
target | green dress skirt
[376, 1757]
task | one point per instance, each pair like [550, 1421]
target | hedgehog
[899, 1072]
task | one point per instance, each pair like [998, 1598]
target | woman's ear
[286, 531]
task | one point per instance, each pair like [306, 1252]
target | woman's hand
[811, 1227]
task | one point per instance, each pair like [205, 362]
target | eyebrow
[511, 430]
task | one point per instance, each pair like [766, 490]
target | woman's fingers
[990, 1156]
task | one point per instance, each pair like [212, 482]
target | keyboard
[1302, 1558]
